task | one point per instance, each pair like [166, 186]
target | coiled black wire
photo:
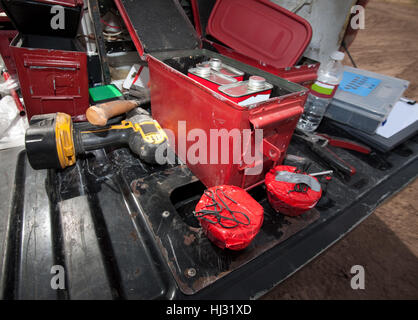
[300, 188]
[218, 207]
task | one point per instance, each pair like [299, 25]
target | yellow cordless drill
[52, 141]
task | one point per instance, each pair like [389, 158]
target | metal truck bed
[125, 230]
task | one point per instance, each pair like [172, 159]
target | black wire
[349, 55]
[300, 188]
[218, 208]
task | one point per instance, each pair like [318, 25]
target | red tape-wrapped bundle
[291, 192]
[229, 216]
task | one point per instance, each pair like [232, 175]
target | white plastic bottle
[322, 92]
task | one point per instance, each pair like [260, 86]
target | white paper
[255, 99]
[401, 116]
[143, 78]
[13, 126]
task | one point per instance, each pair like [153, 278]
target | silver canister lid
[212, 76]
[215, 63]
[243, 88]
[202, 70]
[256, 83]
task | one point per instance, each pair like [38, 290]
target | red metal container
[244, 93]
[260, 29]
[210, 78]
[52, 74]
[303, 71]
[175, 97]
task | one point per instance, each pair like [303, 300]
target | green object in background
[104, 92]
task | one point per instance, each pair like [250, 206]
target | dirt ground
[386, 243]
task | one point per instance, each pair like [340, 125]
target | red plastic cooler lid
[260, 30]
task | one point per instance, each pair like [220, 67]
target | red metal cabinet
[51, 80]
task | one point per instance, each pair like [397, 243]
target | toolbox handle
[270, 118]
[56, 64]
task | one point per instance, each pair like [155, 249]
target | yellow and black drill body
[52, 141]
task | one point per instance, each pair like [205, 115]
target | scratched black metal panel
[106, 254]
[79, 219]
[137, 264]
[161, 25]
[122, 229]
[168, 201]
[37, 253]
[12, 174]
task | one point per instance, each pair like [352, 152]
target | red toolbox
[176, 97]
[304, 71]
[52, 69]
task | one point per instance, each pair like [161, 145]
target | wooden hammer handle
[99, 115]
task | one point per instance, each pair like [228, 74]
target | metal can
[218, 65]
[210, 78]
[244, 93]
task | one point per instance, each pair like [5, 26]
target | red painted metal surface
[52, 80]
[302, 74]
[196, 17]
[6, 37]
[261, 30]
[175, 97]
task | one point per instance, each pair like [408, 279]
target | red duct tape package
[229, 216]
[291, 192]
